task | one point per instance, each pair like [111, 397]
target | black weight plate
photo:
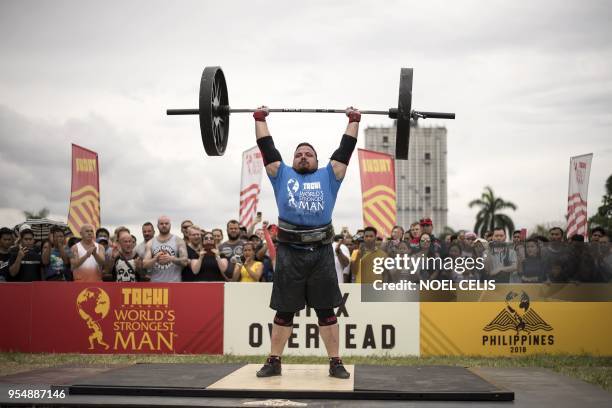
[404, 108]
[214, 125]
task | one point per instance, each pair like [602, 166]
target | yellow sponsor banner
[515, 327]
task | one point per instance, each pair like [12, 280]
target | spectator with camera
[501, 260]
[25, 260]
[56, 256]
[206, 264]
[247, 268]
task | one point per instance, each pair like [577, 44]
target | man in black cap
[305, 272]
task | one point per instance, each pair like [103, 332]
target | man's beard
[233, 236]
[304, 170]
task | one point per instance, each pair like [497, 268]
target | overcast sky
[531, 84]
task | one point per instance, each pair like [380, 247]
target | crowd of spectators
[241, 254]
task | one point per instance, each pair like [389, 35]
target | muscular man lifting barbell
[305, 272]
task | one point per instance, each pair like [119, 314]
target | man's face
[499, 236]
[396, 234]
[102, 234]
[185, 228]
[595, 236]
[369, 239]
[87, 233]
[27, 240]
[304, 160]
[148, 232]
[195, 236]
[217, 235]
[233, 231]
[427, 228]
[556, 235]
[6, 241]
[416, 231]
[163, 225]
[126, 243]
[516, 237]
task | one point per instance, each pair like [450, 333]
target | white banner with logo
[366, 328]
[580, 169]
[250, 185]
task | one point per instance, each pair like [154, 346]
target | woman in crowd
[208, 264]
[532, 268]
[249, 270]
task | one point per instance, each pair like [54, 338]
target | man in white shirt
[342, 258]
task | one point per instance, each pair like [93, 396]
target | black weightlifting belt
[308, 236]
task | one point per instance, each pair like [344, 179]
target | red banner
[378, 190]
[112, 318]
[85, 190]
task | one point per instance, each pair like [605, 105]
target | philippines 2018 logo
[527, 327]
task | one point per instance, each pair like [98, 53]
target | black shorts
[305, 277]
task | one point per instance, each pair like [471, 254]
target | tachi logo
[93, 305]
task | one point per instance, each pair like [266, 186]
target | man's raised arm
[341, 157]
[271, 156]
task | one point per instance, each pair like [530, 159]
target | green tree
[36, 215]
[603, 218]
[489, 216]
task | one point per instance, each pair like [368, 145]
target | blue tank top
[305, 199]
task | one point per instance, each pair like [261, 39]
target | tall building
[420, 181]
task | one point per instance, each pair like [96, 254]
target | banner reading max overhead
[85, 190]
[378, 190]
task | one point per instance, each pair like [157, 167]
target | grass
[592, 369]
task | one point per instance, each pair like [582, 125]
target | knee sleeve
[284, 319]
[327, 317]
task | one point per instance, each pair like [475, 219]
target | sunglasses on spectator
[426, 240]
[208, 238]
[186, 226]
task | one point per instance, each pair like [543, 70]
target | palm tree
[489, 217]
[36, 215]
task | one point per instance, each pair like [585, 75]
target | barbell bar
[214, 111]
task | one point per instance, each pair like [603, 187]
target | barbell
[214, 112]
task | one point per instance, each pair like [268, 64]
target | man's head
[194, 234]
[102, 232]
[305, 159]
[148, 231]
[126, 243]
[87, 233]
[6, 238]
[255, 239]
[397, 233]
[415, 230]
[185, 225]
[516, 237]
[427, 225]
[164, 225]
[597, 233]
[555, 234]
[499, 235]
[26, 238]
[369, 237]
[233, 230]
